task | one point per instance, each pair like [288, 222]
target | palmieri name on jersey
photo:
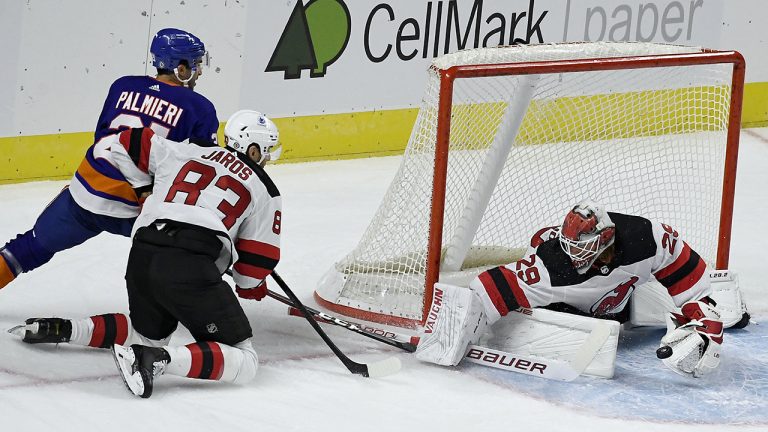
[156, 107]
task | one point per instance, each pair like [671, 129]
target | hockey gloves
[691, 346]
[256, 293]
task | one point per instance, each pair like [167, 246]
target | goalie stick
[397, 340]
[553, 369]
[374, 370]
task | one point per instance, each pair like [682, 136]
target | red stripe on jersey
[146, 145]
[688, 281]
[511, 278]
[251, 271]
[99, 329]
[493, 293]
[258, 248]
[197, 361]
[218, 361]
[676, 264]
[121, 333]
[125, 139]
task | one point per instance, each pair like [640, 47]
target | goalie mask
[586, 232]
[246, 127]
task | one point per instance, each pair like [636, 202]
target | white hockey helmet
[247, 127]
[586, 232]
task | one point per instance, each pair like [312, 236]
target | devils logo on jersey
[615, 300]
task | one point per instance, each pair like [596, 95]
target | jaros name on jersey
[230, 161]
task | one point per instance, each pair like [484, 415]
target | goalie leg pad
[650, 304]
[558, 336]
[726, 293]
[457, 319]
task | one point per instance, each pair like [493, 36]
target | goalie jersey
[209, 187]
[643, 249]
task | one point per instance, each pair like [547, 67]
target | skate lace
[158, 367]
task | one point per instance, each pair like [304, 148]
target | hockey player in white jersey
[590, 265]
[210, 207]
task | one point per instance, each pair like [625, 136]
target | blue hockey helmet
[171, 46]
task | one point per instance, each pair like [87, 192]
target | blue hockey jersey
[171, 111]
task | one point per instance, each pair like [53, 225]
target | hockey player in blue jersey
[164, 104]
[98, 197]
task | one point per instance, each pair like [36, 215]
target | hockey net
[508, 139]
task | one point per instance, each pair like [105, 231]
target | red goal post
[571, 104]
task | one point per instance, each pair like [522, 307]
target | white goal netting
[523, 149]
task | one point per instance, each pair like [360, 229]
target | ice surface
[301, 385]
[644, 389]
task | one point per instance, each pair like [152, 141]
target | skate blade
[18, 330]
[21, 330]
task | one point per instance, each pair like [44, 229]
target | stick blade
[591, 346]
[558, 370]
[384, 367]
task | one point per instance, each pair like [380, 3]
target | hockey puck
[664, 352]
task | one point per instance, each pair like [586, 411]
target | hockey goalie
[585, 272]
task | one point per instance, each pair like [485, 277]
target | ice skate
[43, 330]
[139, 365]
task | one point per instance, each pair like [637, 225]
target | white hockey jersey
[643, 250]
[210, 187]
[99, 187]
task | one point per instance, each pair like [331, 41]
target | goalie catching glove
[695, 336]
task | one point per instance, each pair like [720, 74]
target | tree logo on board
[314, 38]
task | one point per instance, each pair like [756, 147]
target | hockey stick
[374, 370]
[529, 365]
[357, 328]
[378, 369]
[330, 319]
[553, 369]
